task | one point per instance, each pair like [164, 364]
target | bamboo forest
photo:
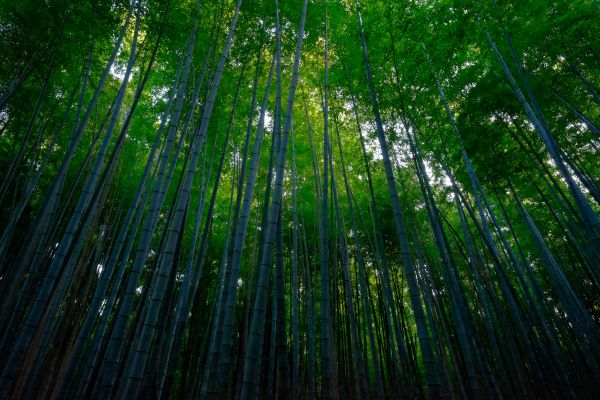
[299, 199]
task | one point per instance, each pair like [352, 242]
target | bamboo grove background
[299, 199]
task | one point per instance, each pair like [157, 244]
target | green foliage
[412, 47]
